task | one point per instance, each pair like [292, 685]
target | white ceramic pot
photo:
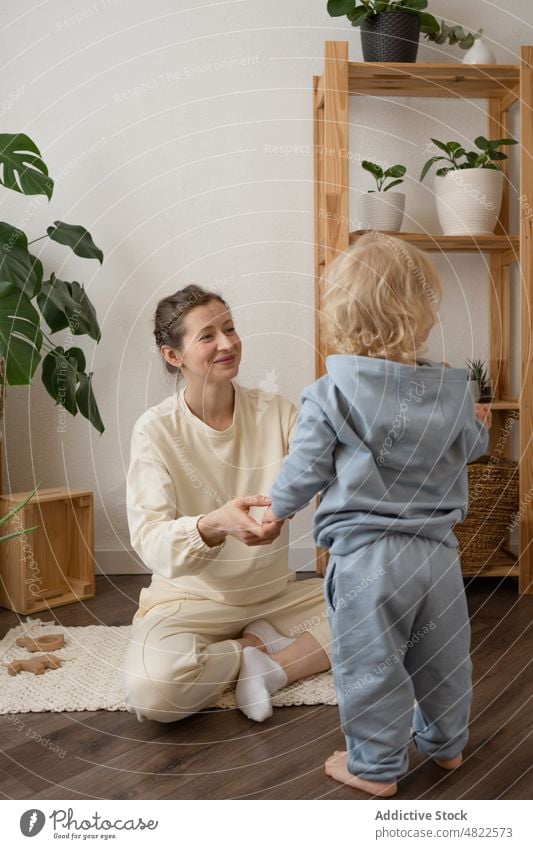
[381, 211]
[479, 54]
[468, 201]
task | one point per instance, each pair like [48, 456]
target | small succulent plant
[394, 173]
[477, 370]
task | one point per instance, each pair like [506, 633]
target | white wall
[160, 123]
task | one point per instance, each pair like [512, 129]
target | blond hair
[380, 296]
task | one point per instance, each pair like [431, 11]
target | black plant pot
[390, 37]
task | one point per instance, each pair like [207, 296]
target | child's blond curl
[381, 299]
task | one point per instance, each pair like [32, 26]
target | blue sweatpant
[400, 632]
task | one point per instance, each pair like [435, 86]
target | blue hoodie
[386, 445]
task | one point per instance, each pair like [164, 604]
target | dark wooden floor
[223, 755]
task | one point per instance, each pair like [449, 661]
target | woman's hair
[380, 295]
[169, 318]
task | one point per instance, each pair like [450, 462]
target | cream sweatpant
[183, 653]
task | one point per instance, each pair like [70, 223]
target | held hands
[268, 516]
[233, 520]
[484, 414]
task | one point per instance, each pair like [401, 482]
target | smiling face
[211, 348]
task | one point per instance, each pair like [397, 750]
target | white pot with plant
[469, 186]
[478, 381]
[480, 53]
[379, 208]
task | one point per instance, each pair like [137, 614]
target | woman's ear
[171, 356]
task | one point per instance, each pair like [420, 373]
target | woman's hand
[233, 520]
[484, 414]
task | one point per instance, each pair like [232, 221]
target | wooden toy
[48, 642]
[37, 665]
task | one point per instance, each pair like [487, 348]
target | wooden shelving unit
[501, 86]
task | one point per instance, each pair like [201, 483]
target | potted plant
[32, 308]
[390, 29]
[479, 383]
[468, 186]
[480, 53]
[379, 210]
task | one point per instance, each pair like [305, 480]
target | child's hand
[484, 414]
[268, 516]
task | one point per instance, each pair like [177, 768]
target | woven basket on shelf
[493, 504]
[390, 37]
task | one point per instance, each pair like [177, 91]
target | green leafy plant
[477, 371]
[453, 35]
[358, 11]
[381, 176]
[14, 512]
[31, 307]
[458, 159]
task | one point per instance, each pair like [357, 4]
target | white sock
[272, 640]
[259, 678]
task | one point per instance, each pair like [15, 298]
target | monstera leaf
[60, 379]
[77, 238]
[86, 402]
[23, 169]
[68, 305]
[65, 380]
[17, 265]
[20, 336]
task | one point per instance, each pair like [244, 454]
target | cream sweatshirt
[180, 470]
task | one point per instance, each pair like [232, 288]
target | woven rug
[90, 677]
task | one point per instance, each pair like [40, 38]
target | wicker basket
[493, 503]
[390, 37]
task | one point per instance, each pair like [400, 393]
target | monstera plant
[32, 307]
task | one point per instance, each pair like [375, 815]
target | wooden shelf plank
[502, 564]
[504, 405]
[419, 79]
[44, 495]
[319, 104]
[335, 196]
[428, 242]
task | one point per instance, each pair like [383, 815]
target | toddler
[385, 437]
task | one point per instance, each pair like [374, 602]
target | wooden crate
[53, 565]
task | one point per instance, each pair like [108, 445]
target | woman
[222, 605]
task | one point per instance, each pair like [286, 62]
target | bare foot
[451, 763]
[253, 641]
[336, 767]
